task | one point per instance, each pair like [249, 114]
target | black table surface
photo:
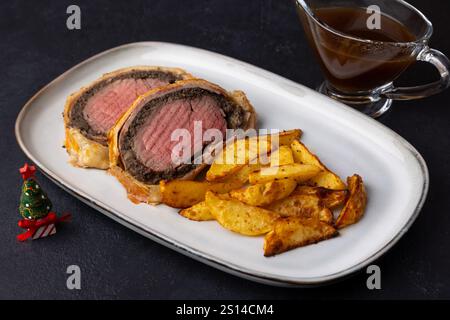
[115, 262]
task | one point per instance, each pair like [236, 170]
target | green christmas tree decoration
[34, 203]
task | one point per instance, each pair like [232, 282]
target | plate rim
[215, 262]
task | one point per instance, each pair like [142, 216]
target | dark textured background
[36, 47]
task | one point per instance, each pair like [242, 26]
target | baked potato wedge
[296, 171]
[282, 156]
[250, 150]
[265, 193]
[183, 193]
[198, 212]
[355, 205]
[294, 232]
[236, 155]
[326, 178]
[243, 173]
[331, 199]
[285, 138]
[303, 206]
[240, 217]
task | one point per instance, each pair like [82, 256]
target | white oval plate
[348, 141]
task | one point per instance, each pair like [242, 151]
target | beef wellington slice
[91, 112]
[141, 143]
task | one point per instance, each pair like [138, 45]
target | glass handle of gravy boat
[440, 62]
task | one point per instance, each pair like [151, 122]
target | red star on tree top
[27, 171]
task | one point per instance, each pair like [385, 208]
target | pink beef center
[153, 145]
[105, 108]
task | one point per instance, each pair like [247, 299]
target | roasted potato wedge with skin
[242, 174]
[198, 212]
[285, 138]
[294, 232]
[183, 194]
[239, 217]
[251, 150]
[265, 193]
[219, 172]
[281, 156]
[236, 155]
[298, 172]
[327, 178]
[325, 215]
[355, 205]
[303, 206]
[222, 166]
[330, 198]
[224, 187]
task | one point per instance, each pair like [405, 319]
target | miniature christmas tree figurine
[35, 208]
[34, 203]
